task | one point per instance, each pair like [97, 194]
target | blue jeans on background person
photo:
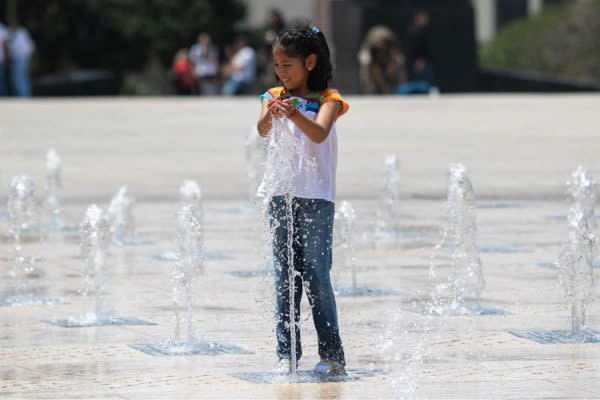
[414, 87]
[2, 80]
[312, 244]
[19, 70]
[421, 83]
[233, 87]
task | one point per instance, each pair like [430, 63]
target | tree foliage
[561, 40]
[122, 35]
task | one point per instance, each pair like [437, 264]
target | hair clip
[315, 30]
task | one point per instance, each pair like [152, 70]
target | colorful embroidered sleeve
[334, 95]
[272, 93]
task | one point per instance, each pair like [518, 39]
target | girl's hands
[281, 108]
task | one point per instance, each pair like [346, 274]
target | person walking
[20, 48]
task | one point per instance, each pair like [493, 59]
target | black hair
[302, 40]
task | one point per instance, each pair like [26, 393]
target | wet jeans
[312, 245]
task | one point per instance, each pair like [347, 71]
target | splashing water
[388, 211]
[575, 262]
[23, 214]
[406, 344]
[188, 267]
[255, 152]
[344, 221]
[455, 263]
[582, 189]
[22, 205]
[95, 239]
[190, 194]
[286, 158]
[53, 186]
[120, 212]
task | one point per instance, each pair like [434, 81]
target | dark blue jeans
[312, 244]
[19, 69]
[3, 83]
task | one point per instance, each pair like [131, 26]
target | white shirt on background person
[3, 38]
[244, 62]
[20, 44]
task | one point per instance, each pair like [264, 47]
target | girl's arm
[264, 121]
[317, 130]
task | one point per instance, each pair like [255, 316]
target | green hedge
[563, 41]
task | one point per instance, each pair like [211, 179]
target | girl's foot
[284, 366]
[329, 367]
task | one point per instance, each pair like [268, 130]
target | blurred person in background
[3, 57]
[382, 62]
[419, 64]
[205, 58]
[20, 48]
[183, 70]
[3, 38]
[240, 72]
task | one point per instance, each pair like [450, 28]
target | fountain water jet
[576, 277]
[189, 265]
[344, 221]
[575, 271]
[187, 270]
[120, 211]
[576, 259]
[53, 186]
[255, 152]
[96, 237]
[190, 194]
[388, 211]
[405, 346]
[455, 264]
[345, 257]
[24, 219]
[575, 263]
[122, 222]
[582, 189]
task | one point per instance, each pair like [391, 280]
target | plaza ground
[520, 151]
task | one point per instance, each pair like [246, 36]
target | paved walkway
[520, 150]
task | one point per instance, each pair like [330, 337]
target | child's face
[292, 71]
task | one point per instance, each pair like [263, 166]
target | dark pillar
[345, 43]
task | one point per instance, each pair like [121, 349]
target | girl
[303, 68]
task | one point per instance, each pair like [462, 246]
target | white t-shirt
[245, 65]
[314, 178]
[3, 37]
